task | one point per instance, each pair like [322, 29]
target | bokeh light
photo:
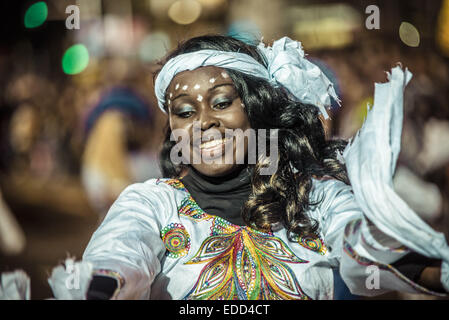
[185, 11]
[36, 15]
[212, 3]
[362, 111]
[154, 46]
[75, 59]
[442, 36]
[409, 34]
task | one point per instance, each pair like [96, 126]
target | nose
[208, 120]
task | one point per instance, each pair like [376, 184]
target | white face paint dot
[185, 87]
[169, 101]
[171, 94]
[196, 87]
[224, 75]
[177, 86]
[212, 80]
[199, 98]
[243, 106]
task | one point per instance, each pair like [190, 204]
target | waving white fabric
[371, 161]
[71, 280]
[286, 67]
[15, 286]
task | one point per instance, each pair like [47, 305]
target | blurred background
[79, 120]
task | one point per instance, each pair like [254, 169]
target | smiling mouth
[214, 149]
[214, 144]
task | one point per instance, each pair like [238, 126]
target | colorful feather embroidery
[241, 263]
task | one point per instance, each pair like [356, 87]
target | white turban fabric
[286, 67]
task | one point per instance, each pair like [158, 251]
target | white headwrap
[286, 67]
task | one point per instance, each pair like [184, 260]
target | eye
[184, 111]
[222, 102]
[186, 114]
[223, 105]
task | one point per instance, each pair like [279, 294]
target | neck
[221, 196]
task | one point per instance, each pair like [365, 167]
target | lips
[214, 144]
[214, 148]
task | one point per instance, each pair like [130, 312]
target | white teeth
[214, 143]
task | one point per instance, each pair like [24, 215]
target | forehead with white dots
[179, 87]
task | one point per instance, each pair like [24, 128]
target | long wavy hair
[302, 145]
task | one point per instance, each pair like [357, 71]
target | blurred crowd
[70, 143]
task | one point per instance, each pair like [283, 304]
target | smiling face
[207, 96]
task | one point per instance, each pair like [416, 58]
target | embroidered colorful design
[188, 206]
[221, 226]
[245, 265]
[176, 240]
[175, 183]
[314, 244]
[241, 263]
[190, 209]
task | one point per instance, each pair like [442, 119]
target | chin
[216, 170]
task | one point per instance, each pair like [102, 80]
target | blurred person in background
[120, 146]
[26, 145]
[12, 237]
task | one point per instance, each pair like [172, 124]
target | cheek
[174, 124]
[237, 117]
[178, 124]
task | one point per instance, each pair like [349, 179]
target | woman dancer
[220, 229]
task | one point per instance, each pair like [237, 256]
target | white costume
[165, 247]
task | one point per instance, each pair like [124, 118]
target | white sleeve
[357, 247]
[126, 246]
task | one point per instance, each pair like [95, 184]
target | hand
[431, 278]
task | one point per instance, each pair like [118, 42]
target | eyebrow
[210, 89]
[179, 96]
[220, 85]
